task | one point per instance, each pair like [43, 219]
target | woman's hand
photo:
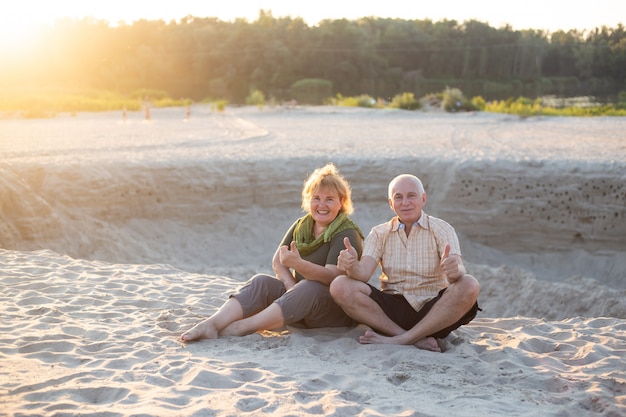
[289, 257]
[282, 272]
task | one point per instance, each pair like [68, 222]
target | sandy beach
[116, 236]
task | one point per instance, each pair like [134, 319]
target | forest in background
[198, 58]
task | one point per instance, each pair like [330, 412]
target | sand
[116, 236]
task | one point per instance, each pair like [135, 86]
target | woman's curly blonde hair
[327, 177]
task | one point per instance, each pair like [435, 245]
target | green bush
[256, 98]
[363, 100]
[525, 107]
[479, 103]
[169, 102]
[219, 105]
[405, 101]
[453, 100]
[39, 104]
[312, 90]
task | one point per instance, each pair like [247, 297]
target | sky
[19, 20]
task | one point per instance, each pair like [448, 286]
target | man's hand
[347, 257]
[451, 266]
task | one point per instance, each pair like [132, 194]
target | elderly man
[425, 290]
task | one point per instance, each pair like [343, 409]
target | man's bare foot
[371, 337]
[203, 330]
[428, 343]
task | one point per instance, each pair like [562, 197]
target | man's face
[406, 200]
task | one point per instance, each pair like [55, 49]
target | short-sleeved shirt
[411, 264]
[328, 252]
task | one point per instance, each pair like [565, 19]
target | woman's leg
[270, 318]
[307, 301]
[311, 303]
[258, 293]
[211, 327]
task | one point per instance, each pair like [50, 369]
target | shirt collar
[397, 225]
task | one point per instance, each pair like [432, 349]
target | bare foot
[371, 337]
[236, 328]
[203, 330]
[428, 343]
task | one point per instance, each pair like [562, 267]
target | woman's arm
[291, 258]
[329, 271]
[282, 272]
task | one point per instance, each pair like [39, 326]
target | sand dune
[118, 236]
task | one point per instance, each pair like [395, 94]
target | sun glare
[26, 20]
[17, 33]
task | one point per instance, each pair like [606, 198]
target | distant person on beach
[305, 264]
[425, 290]
[146, 105]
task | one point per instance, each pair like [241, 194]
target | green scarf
[303, 232]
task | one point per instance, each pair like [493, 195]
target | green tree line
[200, 58]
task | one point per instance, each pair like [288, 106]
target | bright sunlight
[18, 22]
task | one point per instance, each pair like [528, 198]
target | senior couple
[322, 268]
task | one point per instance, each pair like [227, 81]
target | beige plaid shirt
[410, 265]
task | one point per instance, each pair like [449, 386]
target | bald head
[405, 178]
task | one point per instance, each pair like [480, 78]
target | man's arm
[452, 265]
[348, 261]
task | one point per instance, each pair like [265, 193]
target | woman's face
[325, 205]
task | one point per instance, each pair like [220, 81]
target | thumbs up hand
[294, 248]
[347, 257]
[348, 245]
[289, 256]
[452, 265]
[446, 252]
[449, 264]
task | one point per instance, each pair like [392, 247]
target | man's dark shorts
[398, 309]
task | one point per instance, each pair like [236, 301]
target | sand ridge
[545, 194]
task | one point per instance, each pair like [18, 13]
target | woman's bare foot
[203, 330]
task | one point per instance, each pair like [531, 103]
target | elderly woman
[310, 249]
